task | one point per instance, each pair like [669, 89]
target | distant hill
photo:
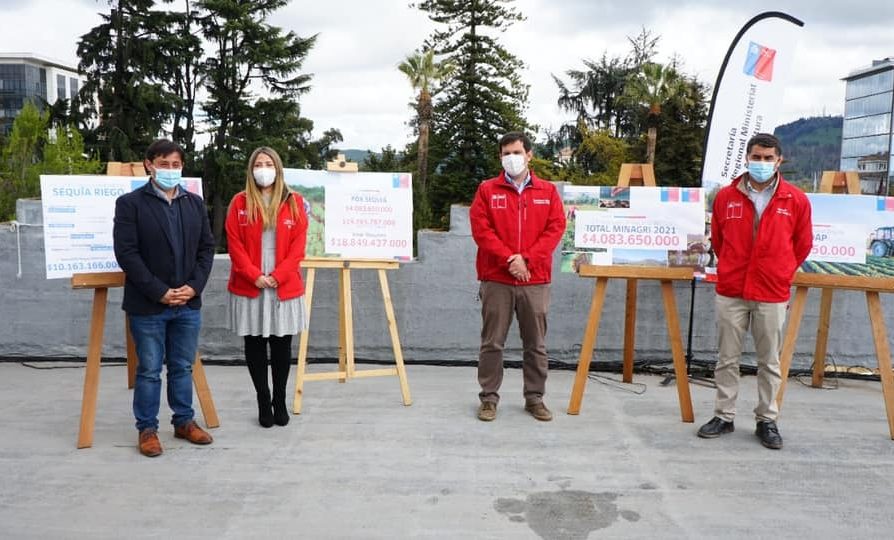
[355, 155]
[810, 145]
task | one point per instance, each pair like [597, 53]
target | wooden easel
[346, 369]
[631, 273]
[839, 182]
[832, 182]
[636, 174]
[632, 174]
[101, 283]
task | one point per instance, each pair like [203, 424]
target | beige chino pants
[529, 304]
[734, 317]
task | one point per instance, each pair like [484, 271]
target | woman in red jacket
[266, 235]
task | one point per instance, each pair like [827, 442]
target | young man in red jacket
[517, 221]
[761, 232]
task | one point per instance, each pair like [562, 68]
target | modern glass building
[28, 77]
[866, 144]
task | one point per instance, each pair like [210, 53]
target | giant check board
[852, 235]
[648, 226]
[78, 216]
[366, 215]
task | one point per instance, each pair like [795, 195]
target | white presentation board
[78, 216]
[645, 226]
[367, 215]
[853, 235]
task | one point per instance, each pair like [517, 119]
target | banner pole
[754, 20]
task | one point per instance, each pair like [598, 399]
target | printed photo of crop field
[874, 267]
[875, 214]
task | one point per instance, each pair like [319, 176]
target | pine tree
[119, 58]
[484, 99]
[246, 53]
[178, 60]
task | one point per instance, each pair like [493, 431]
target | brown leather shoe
[539, 411]
[149, 444]
[192, 433]
[487, 411]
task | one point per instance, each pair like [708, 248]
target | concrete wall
[435, 299]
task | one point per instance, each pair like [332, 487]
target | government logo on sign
[759, 62]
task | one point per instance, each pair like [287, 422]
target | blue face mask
[761, 171]
[168, 178]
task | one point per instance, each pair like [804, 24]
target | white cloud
[357, 87]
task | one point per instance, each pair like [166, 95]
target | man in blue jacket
[163, 243]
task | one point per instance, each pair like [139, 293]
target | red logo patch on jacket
[734, 210]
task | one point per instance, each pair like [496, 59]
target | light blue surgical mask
[168, 178]
[761, 171]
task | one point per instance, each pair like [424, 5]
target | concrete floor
[357, 464]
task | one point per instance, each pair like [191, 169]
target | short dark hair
[766, 140]
[164, 147]
[515, 136]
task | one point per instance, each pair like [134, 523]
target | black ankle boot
[265, 410]
[280, 362]
[280, 412]
[256, 360]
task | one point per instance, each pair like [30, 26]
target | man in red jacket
[517, 221]
[761, 233]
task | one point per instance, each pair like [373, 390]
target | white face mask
[264, 176]
[514, 164]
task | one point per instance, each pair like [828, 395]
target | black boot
[280, 363]
[256, 360]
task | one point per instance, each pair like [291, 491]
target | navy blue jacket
[143, 248]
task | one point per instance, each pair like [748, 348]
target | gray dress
[266, 315]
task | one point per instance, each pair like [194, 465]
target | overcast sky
[357, 88]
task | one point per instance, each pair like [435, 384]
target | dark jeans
[171, 336]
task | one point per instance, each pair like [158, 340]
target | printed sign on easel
[367, 226]
[643, 226]
[853, 235]
[78, 216]
[356, 215]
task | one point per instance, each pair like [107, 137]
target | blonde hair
[254, 202]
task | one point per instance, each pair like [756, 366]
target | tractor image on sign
[882, 244]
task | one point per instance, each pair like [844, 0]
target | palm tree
[654, 87]
[422, 71]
